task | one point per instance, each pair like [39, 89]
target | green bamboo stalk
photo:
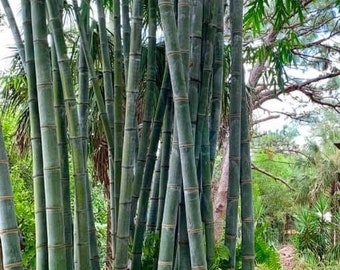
[148, 171]
[129, 143]
[118, 120]
[169, 220]
[61, 128]
[154, 199]
[82, 252]
[204, 95]
[247, 216]
[186, 146]
[207, 206]
[183, 249]
[37, 159]
[83, 113]
[166, 147]
[235, 130]
[109, 97]
[93, 75]
[217, 82]
[9, 232]
[164, 173]
[195, 69]
[52, 176]
[183, 22]
[106, 64]
[126, 35]
[151, 87]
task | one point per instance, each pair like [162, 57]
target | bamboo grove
[159, 121]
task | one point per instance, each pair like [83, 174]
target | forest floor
[287, 253]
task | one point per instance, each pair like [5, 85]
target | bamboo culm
[37, 159]
[235, 130]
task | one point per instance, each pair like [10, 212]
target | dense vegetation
[112, 136]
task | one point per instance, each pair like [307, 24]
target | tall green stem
[9, 232]
[235, 130]
[147, 107]
[59, 110]
[52, 176]
[126, 35]
[129, 143]
[37, 159]
[247, 216]
[217, 82]
[80, 176]
[186, 142]
[169, 220]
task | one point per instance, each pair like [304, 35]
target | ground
[286, 256]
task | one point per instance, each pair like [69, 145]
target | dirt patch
[287, 253]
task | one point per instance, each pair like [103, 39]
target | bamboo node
[248, 257]
[59, 246]
[234, 115]
[53, 208]
[181, 99]
[191, 189]
[52, 168]
[169, 53]
[165, 263]
[9, 231]
[171, 226]
[230, 236]
[249, 219]
[48, 126]
[185, 4]
[186, 145]
[234, 158]
[13, 265]
[192, 231]
[3, 161]
[246, 181]
[173, 186]
[199, 267]
[6, 197]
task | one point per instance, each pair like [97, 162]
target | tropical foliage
[129, 94]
